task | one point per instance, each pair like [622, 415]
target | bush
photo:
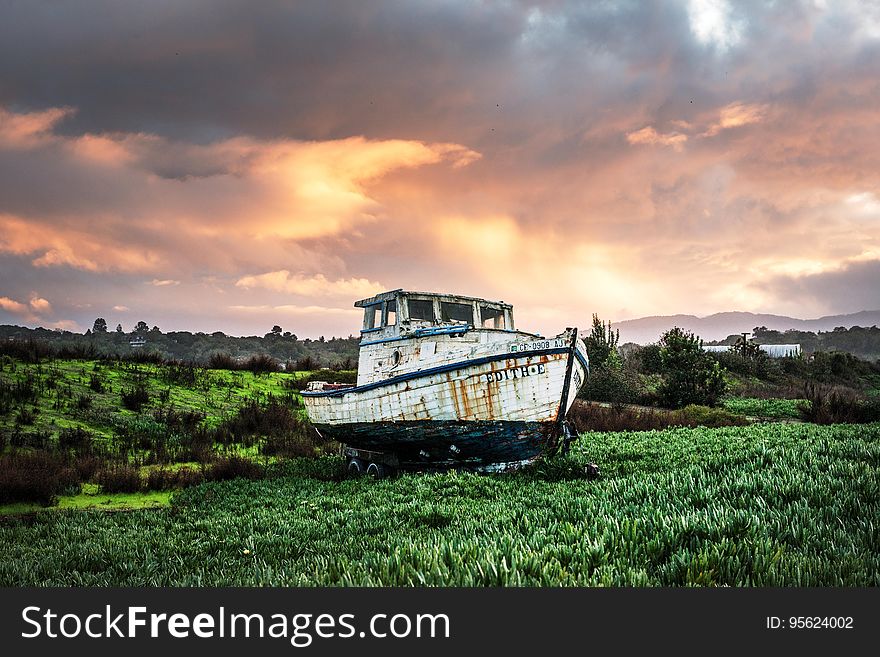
[306, 364]
[28, 351]
[262, 364]
[592, 417]
[222, 362]
[134, 398]
[274, 418]
[119, 478]
[26, 416]
[87, 466]
[836, 405]
[601, 344]
[649, 359]
[614, 385]
[83, 402]
[34, 477]
[96, 383]
[691, 376]
[234, 467]
[75, 438]
[164, 479]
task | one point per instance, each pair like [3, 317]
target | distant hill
[197, 347]
[720, 325]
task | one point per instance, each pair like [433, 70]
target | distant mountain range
[718, 326]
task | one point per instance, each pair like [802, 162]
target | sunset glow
[277, 162]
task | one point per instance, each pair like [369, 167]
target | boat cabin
[399, 314]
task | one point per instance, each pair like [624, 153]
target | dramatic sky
[230, 165]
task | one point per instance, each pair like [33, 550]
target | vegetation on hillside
[282, 347]
[861, 342]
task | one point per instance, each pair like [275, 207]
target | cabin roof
[384, 296]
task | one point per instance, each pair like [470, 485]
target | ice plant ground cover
[763, 505]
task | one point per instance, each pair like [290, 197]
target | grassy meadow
[222, 484]
[765, 505]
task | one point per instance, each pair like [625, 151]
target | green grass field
[764, 505]
[61, 385]
[764, 408]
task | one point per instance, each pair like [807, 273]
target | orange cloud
[152, 194]
[65, 245]
[29, 129]
[13, 306]
[649, 136]
[40, 305]
[313, 286]
[735, 115]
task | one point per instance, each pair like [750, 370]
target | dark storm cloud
[212, 69]
[852, 288]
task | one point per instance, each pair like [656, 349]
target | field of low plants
[765, 408]
[770, 504]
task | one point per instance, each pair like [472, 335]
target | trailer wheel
[377, 470]
[355, 467]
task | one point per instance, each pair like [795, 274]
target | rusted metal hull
[455, 444]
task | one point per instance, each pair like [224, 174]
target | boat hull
[477, 444]
[504, 405]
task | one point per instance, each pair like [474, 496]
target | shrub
[29, 351]
[262, 364]
[87, 466]
[96, 383]
[119, 478]
[75, 438]
[78, 351]
[593, 417]
[234, 467]
[222, 362]
[164, 479]
[649, 359]
[691, 376]
[609, 384]
[602, 344]
[274, 418]
[26, 416]
[182, 374]
[83, 402]
[39, 440]
[34, 477]
[135, 397]
[305, 364]
[180, 421]
[836, 405]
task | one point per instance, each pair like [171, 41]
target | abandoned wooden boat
[447, 381]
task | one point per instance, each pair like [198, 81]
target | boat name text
[515, 373]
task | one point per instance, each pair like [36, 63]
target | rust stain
[465, 400]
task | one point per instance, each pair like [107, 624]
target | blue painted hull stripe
[582, 360]
[450, 367]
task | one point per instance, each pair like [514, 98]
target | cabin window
[390, 313]
[492, 317]
[422, 309]
[373, 317]
[457, 312]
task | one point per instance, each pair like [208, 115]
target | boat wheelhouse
[448, 381]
